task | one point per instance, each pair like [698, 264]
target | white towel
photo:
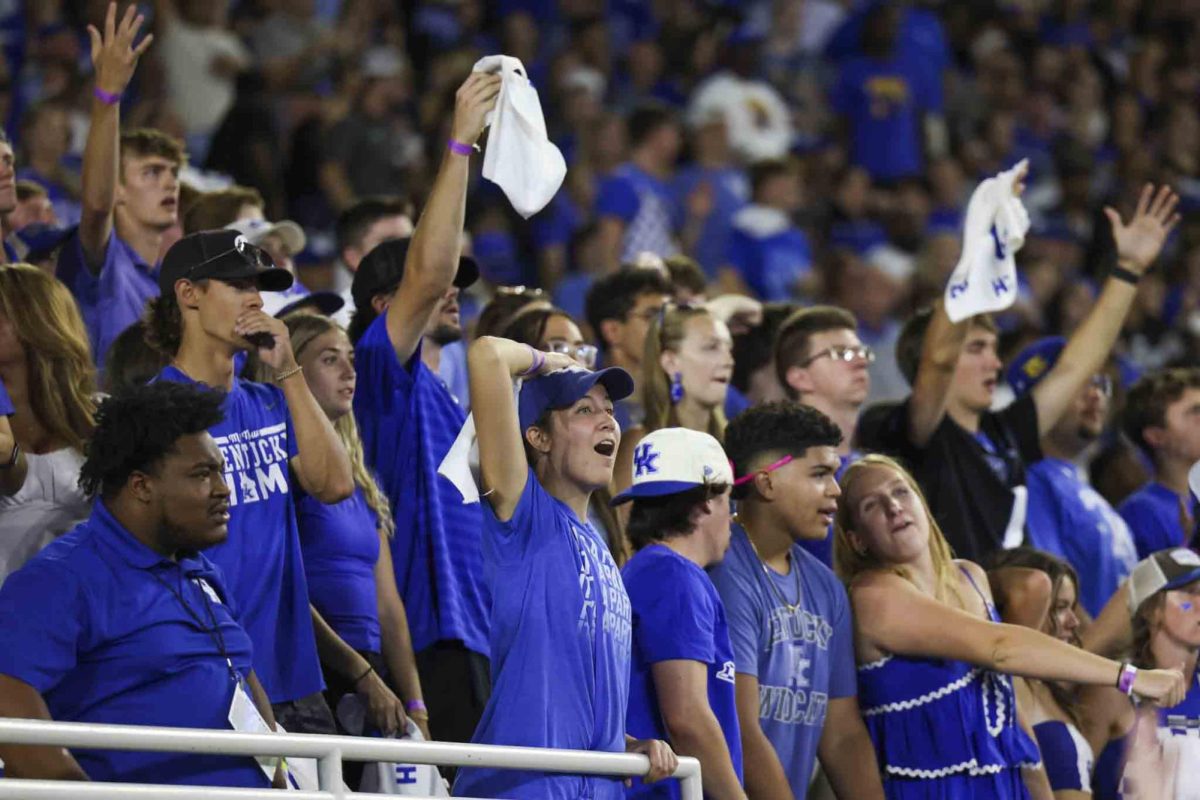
[461, 464]
[520, 158]
[985, 279]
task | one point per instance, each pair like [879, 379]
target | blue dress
[943, 729]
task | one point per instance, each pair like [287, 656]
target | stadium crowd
[304, 427]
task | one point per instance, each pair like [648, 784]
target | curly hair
[136, 428]
[164, 323]
[770, 431]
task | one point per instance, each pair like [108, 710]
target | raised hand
[1140, 242]
[113, 54]
[472, 103]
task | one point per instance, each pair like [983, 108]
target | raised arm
[115, 59]
[321, 464]
[1138, 244]
[493, 363]
[931, 388]
[692, 727]
[19, 700]
[891, 614]
[437, 240]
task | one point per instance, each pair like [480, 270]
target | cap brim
[1182, 580]
[617, 381]
[327, 303]
[468, 272]
[277, 279]
[653, 489]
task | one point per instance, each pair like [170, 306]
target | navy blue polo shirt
[97, 624]
[113, 298]
[262, 557]
[408, 420]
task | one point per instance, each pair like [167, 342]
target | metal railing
[327, 750]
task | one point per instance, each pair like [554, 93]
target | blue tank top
[944, 728]
[1067, 755]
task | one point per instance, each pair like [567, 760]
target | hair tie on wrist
[108, 98]
[539, 359]
[368, 671]
[415, 705]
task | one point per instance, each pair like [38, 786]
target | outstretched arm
[1138, 244]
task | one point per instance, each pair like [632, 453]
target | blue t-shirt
[340, 545]
[261, 558]
[771, 258]
[677, 615]
[112, 299]
[408, 420]
[96, 624]
[644, 203]
[731, 190]
[802, 656]
[884, 102]
[560, 641]
[1152, 514]
[1070, 519]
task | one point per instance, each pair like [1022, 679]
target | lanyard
[214, 632]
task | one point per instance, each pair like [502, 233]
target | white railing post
[329, 773]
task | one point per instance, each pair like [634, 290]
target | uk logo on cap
[674, 460]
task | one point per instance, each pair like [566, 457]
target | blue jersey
[114, 297]
[560, 648]
[110, 632]
[408, 420]
[771, 254]
[677, 615]
[1154, 514]
[261, 558]
[1070, 519]
[340, 544]
[793, 633]
[644, 204]
[731, 189]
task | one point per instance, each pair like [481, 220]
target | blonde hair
[667, 333]
[303, 329]
[850, 563]
[58, 355]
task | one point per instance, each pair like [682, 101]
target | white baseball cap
[674, 460]
[1166, 569]
[255, 230]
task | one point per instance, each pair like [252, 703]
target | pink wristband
[459, 148]
[415, 705]
[1128, 676]
[108, 98]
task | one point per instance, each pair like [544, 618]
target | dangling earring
[676, 388]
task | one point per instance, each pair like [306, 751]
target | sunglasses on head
[251, 253]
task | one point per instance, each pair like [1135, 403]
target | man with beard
[405, 295]
[1067, 517]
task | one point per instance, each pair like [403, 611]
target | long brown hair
[303, 329]
[1146, 622]
[58, 356]
[667, 333]
[850, 563]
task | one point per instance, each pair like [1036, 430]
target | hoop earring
[676, 388]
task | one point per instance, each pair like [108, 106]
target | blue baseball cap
[673, 460]
[561, 388]
[1032, 363]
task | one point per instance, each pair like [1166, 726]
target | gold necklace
[791, 607]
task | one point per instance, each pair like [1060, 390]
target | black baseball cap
[382, 268]
[223, 255]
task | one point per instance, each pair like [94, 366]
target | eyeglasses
[248, 251]
[843, 353]
[585, 354]
[1103, 383]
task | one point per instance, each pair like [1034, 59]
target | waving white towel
[985, 279]
[520, 158]
[461, 464]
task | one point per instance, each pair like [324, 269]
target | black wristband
[1122, 274]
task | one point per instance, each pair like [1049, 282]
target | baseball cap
[1032, 363]
[327, 303]
[561, 388]
[223, 255]
[255, 230]
[674, 460]
[1166, 569]
[382, 268]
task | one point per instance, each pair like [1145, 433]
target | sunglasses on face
[844, 354]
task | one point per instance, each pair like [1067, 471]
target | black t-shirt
[967, 479]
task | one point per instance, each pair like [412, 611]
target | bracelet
[420, 716]
[1126, 678]
[1122, 274]
[108, 98]
[539, 358]
[458, 148]
[12, 460]
[415, 705]
[368, 671]
[288, 374]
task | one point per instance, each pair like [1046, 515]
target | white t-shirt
[48, 505]
[198, 97]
